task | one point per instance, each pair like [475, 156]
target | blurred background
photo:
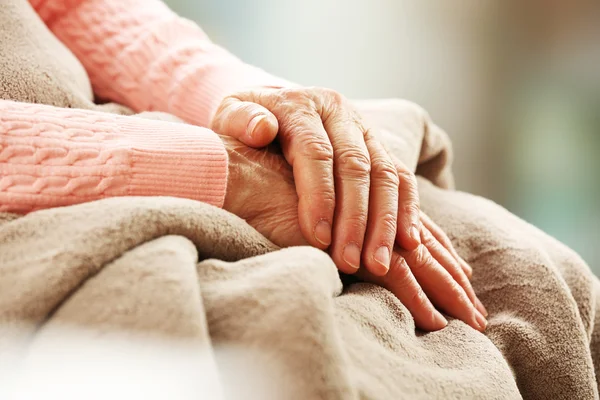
[515, 83]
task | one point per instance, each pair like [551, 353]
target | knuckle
[407, 178]
[429, 240]
[334, 96]
[430, 243]
[383, 170]
[353, 162]
[328, 196]
[297, 102]
[315, 147]
[293, 94]
[399, 271]
[410, 207]
[301, 114]
[418, 297]
[421, 258]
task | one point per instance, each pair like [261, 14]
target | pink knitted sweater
[140, 54]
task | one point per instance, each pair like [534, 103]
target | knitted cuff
[175, 159]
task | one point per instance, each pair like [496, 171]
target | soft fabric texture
[138, 53]
[159, 297]
[165, 273]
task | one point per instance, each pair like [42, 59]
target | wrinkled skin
[261, 190]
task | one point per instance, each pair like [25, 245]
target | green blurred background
[516, 84]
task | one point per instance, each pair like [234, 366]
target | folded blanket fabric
[130, 297]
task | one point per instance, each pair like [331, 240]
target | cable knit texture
[53, 157]
[140, 54]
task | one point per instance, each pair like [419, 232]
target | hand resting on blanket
[353, 198]
[261, 190]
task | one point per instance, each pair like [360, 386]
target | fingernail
[439, 319]
[382, 256]
[352, 255]
[323, 233]
[481, 321]
[414, 233]
[480, 307]
[253, 123]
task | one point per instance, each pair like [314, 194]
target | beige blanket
[171, 298]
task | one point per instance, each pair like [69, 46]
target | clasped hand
[330, 184]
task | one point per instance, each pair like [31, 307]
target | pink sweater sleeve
[141, 54]
[53, 157]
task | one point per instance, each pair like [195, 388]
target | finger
[383, 209]
[441, 237]
[408, 234]
[307, 148]
[352, 172]
[247, 121]
[445, 259]
[479, 305]
[465, 267]
[441, 288]
[401, 282]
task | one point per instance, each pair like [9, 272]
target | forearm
[141, 54]
[52, 157]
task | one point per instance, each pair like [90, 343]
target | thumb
[250, 123]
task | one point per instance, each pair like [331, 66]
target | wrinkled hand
[261, 190]
[353, 199]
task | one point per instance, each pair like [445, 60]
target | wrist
[234, 175]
